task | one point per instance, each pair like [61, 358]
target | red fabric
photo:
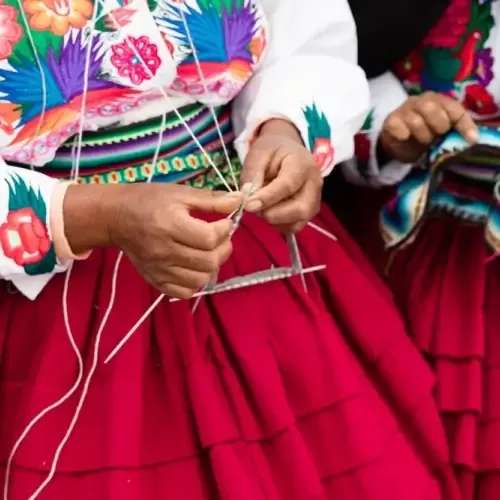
[450, 297]
[265, 393]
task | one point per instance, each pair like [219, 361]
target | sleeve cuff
[326, 125]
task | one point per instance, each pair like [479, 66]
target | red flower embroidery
[323, 153]
[362, 147]
[10, 31]
[479, 100]
[129, 65]
[24, 237]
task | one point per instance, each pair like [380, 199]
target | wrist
[87, 212]
[281, 126]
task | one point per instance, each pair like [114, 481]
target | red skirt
[450, 299]
[263, 393]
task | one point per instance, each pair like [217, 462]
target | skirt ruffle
[267, 392]
[449, 296]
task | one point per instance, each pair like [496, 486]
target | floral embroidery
[10, 31]
[319, 133]
[229, 36]
[479, 100]
[453, 59]
[24, 237]
[484, 67]
[58, 16]
[229, 41]
[129, 65]
[8, 115]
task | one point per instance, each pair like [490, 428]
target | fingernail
[233, 194]
[254, 206]
[472, 136]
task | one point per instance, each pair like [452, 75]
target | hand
[288, 180]
[175, 252]
[408, 131]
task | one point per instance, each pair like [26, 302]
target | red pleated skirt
[450, 299]
[264, 393]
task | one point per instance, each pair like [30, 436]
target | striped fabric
[126, 154]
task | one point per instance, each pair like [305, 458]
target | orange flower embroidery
[58, 16]
[9, 114]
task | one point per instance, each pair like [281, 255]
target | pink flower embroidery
[323, 153]
[10, 31]
[129, 65]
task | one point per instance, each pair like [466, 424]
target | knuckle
[416, 121]
[392, 123]
[428, 106]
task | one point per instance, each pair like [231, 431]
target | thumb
[204, 200]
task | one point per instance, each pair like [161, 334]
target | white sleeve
[27, 254]
[386, 94]
[309, 76]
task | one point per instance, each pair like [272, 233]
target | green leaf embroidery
[441, 64]
[318, 126]
[368, 122]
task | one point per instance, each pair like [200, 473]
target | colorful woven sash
[126, 154]
[454, 179]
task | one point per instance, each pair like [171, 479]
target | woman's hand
[409, 131]
[288, 180]
[176, 253]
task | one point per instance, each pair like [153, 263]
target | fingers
[300, 207]
[187, 278]
[205, 200]
[288, 182]
[203, 261]
[434, 113]
[254, 168]
[461, 120]
[196, 233]
[396, 128]
[428, 116]
[193, 270]
[418, 127]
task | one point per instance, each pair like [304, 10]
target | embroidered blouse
[71, 64]
[458, 57]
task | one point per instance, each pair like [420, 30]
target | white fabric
[311, 59]
[30, 286]
[386, 95]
